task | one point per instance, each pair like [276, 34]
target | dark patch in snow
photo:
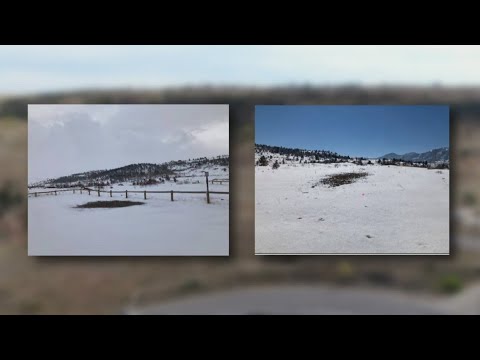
[108, 204]
[341, 179]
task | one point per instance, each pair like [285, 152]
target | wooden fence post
[110, 193]
[171, 195]
[35, 194]
[208, 192]
[126, 194]
[145, 194]
[80, 191]
[55, 192]
[88, 191]
[99, 192]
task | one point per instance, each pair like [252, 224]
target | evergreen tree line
[140, 172]
[423, 164]
[297, 153]
[264, 161]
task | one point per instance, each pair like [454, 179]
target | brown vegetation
[342, 179]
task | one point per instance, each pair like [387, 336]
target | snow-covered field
[395, 210]
[186, 226]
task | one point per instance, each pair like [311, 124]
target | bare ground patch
[108, 204]
[341, 179]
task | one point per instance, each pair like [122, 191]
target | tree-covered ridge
[117, 175]
[299, 153]
[141, 173]
[270, 155]
[221, 160]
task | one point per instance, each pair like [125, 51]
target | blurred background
[242, 76]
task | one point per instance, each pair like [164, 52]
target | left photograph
[128, 180]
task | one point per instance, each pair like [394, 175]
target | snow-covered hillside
[215, 171]
[395, 209]
[268, 155]
[183, 171]
[288, 155]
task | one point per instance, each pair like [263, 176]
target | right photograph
[352, 180]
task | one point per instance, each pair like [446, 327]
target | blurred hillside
[464, 99]
[106, 285]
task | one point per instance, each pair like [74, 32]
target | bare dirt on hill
[342, 179]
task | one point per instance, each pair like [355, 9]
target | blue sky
[369, 131]
[37, 68]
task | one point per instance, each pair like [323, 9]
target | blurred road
[302, 300]
[323, 299]
[469, 242]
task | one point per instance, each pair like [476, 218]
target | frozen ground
[395, 210]
[186, 226]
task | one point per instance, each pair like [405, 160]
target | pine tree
[263, 161]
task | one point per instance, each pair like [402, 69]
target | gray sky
[67, 139]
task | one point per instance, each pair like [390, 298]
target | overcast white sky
[41, 68]
[67, 139]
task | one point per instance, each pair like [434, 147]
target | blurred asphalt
[301, 300]
[316, 300]
[322, 299]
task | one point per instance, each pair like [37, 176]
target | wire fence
[89, 191]
[220, 181]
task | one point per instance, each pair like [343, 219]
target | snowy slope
[218, 167]
[290, 159]
[395, 209]
[214, 171]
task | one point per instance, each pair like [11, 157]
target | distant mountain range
[435, 155]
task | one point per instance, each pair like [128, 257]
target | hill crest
[141, 172]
